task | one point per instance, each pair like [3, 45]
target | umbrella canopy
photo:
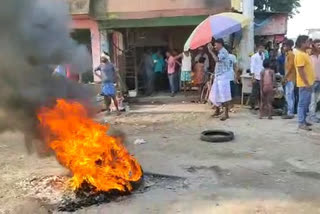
[217, 26]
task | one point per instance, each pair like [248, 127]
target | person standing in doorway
[186, 69]
[289, 79]
[198, 74]
[158, 70]
[205, 56]
[172, 72]
[256, 69]
[305, 80]
[108, 78]
[148, 66]
[220, 94]
[315, 98]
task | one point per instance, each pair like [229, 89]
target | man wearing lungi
[108, 78]
[220, 94]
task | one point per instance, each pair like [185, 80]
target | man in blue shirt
[60, 70]
[108, 78]
[159, 64]
[281, 60]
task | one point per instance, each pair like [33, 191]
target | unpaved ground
[269, 168]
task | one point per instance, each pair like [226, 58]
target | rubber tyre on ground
[217, 136]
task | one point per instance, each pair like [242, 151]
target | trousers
[304, 104]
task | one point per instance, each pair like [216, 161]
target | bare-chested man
[266, 87]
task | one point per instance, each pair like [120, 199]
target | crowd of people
[293, 71]
[181, 71]
[299, 69]
[157, 69]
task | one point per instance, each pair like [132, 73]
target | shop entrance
[140, 41]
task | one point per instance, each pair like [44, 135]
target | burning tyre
[98, 162]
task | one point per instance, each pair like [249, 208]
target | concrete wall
[136, 9]
[152, 5]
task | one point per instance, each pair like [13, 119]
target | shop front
[141, 26]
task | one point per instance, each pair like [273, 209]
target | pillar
[247, 42]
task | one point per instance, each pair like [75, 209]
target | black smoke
[34, 38]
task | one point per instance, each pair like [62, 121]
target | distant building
[314, 33]
[271, 25]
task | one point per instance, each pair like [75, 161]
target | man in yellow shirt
[305, 80]
[290, 79]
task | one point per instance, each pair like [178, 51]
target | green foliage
[288, 6]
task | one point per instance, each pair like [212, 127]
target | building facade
[85, 28]
[314, 33]
[127, 28]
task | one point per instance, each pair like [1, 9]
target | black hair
[289, 43]
[228, 48]
[220, 41]
[266, 63]
[104, 60]
[316, 41]
[202, 60]
[301, 39]
[106, 53]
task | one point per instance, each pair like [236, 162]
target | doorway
[83, 37]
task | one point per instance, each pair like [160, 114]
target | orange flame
[83, 146]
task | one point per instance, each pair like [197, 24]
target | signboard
[79, 7]
[271, 24]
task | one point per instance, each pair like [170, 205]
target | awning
[154, 22]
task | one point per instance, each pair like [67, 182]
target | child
[198, 73]
[266, 87]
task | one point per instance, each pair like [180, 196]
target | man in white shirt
[256, 69]
[315, 98]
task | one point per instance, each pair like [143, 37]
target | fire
[83, 146]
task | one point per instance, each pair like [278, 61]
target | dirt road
[270, 167]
